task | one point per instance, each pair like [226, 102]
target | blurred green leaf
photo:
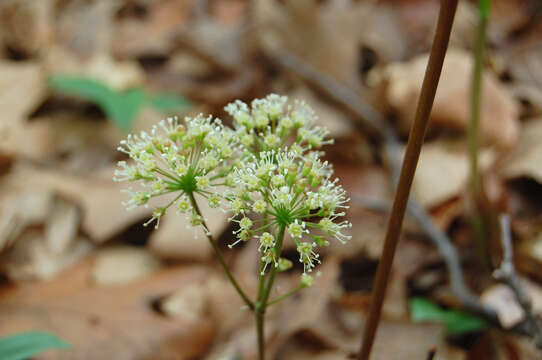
[24, 345]
[456, 322]
[121, 107]
[167, 102]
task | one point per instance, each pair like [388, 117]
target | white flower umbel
[180, 160]
[272, 123]
[283, 189]
[277, 185]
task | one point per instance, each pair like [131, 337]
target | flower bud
[284, 264]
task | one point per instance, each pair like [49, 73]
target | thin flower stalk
[473, 135]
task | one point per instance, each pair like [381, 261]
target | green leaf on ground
[25, 345]
[121, 107]
[456, 322]
[167, 101]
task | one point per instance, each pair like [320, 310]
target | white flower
[247, 140]
[137, 198]
[158, 186]
[278, 180]
[334, 228]
[267, 241]
[284, 264]
[181, 168]
[293, 192]
[271, 140]
[156, 215]
[306, 280]
[240, 112]
[184, 205]
[180, 160]
[270, 164]
[270, 122]
[202, 182]
[259, 206]
[296, 229]
[126, 172]
[245, 223]
[237, 206]
[214, 201]
[307, 255]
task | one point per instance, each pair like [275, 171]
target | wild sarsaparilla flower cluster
[179, 159]
[269, 164]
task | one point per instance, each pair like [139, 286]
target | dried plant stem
[474, 127]
[263, 296]
[415, 141]
[219, 256]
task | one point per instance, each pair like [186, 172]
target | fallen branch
[431, 354]
[506, 274]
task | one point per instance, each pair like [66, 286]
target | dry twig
[506, 273]
[431, 354]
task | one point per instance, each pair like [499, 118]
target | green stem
[219, 255]
[476, 93]
[474, 128]
[263, 295]
[260, 333]
[258, 312]
[274, 269]
[284, 296]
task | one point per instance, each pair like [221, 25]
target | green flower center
[188, 182]
[284, 216]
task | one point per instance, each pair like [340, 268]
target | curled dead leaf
[26, 27]
[443, 171]
[451, 109]
[526, 158]
[123, 265]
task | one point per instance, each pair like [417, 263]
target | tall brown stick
[412, 154]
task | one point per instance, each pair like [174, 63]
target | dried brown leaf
[451, 110]
[529, 256]
[188, 303]
[330, 35]
[120, 265]
[339, 334]
[62, 225]
[85, 27]
[22, 88]
[502, 299]
[29, 258]
[98, 196]
[153, 34]
[526, 158]
[443, 172]
[26, 27]
[116, 322]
